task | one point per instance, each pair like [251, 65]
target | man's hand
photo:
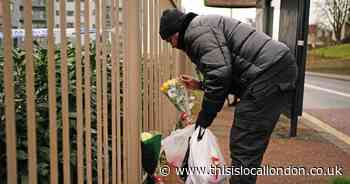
[190, 82]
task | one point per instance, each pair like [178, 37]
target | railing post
[79, 98]
[10, 122]
[52, 93]
[87, 92]
[132, 90]
[30, 94]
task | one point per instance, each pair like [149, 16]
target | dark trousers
[256, 116]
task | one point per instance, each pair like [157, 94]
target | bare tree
[336, 12]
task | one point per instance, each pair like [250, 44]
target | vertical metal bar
[151, 87]
[114, 91]
[164, 78]
[160, 57]
[31, 127]
[161, 68]
[79, 100]
[172, 55]
[147, 92]
[118, 98]
[156, 66]
[10, 122]
[171, 59]
[132, 55]
[168, 105]
[64, 90]
[99, 93]
[146, 58]
[165, 67]
[87, 91]
[304, 11]
[164, 105]
[104, 93]
[126, 126]
[161, 76]
[139, 65]
[161, 105]
[301, 51]
[167, 74]
[145, 65]
[165, 101]
[52, 93]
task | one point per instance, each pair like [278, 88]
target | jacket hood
[186, 21]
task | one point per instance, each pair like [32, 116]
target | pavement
[310, 149]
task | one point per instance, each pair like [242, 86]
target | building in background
[17, 16]
[39, 14]
[70, 13]
[39, 20]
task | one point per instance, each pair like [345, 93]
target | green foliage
[42, 111]
[339, 51]
[340, 180]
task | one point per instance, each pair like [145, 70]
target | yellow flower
[173, 82]
[162, 89]
[145, 136]
[165, 86]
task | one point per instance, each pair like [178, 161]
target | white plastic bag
[205, 160]
[175, 145]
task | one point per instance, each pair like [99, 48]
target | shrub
[42, 112]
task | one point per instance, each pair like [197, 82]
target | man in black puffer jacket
[235, 59]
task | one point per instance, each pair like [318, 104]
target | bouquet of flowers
[150, 151]
[177, 94]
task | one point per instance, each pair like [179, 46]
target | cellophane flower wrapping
[177, 94]
[150, 152]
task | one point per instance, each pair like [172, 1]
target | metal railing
[94, 123]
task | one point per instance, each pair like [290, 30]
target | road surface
[328, 100]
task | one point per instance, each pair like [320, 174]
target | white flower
[172, 92]
[191, 105]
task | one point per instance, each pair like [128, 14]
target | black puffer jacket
[229, 54]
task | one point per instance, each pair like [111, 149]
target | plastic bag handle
[200, 133]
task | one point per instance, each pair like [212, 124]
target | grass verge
[340, 180]
[334, 60]
[338, 51]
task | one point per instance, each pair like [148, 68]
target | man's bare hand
[190, 82]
